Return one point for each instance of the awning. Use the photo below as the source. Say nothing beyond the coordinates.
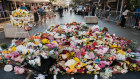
(31, 1)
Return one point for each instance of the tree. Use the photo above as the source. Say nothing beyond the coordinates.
(135, 4)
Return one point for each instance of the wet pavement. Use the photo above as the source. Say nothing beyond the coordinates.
(128, 33)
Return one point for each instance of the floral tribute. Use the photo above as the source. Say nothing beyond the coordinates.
(75, 48)
(20, 18)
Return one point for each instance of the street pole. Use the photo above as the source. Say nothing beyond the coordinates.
(117, 6)
(121, 6)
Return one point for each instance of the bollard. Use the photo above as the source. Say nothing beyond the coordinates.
(117, 23)
(101, 17)
(107, 19)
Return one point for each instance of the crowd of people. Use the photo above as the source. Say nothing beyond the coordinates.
(40, 12)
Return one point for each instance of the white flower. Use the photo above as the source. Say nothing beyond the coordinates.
(89, 67)
(44, 55)
(115, 69)
(40, 45)
(97, 67)
(124, 71)
(118, 67)
(30, 44)
(99, 42)
(31, 62)
(8, 68)
(69, 62)
(64, 56)
(120, 57)
(37, 61)
(86, 56)
(94, 27)
(36, 40)
(113, 51)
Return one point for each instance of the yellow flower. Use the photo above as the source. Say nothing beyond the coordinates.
(134, 65)
(20, 10)
(121, 52)
(95, 37)
(45, 41)
(5, 52)
(13, 49)
(54, 42)
(59, 27)
(37, 43)
(76, 59)
(67, 54)
(114, 46)
(127, 62)
(85, 59)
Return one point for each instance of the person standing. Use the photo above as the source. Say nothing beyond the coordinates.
(23, 7)
(83, 11)
(123, 18)
(40, 10)
(61, 11)
(70, 10)
(137, 17)
(36, 16)
(87, 10)
(93, 10)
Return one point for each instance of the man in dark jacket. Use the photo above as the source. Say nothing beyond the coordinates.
(93, 10)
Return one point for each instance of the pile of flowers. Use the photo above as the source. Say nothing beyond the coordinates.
(20, 18)
(76, 47)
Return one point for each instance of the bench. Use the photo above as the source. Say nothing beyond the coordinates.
(91, 19)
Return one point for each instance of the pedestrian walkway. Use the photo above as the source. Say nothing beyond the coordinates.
(128, 33)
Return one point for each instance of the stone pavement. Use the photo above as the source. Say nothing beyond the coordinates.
(67, 18)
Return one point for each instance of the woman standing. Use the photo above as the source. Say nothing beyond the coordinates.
(123, 18)
(36, 17)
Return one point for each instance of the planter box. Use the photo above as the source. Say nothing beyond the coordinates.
(10, 32)
(91, 19)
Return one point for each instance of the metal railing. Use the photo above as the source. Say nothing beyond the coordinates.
(5, 15)
(115, 16)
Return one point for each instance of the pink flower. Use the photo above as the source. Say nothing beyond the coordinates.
(12, 55)
(52, 45)
(18, 70)
(7, 56)
(106, 63)
(19, 59)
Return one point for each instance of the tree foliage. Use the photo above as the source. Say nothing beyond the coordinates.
(135, 4)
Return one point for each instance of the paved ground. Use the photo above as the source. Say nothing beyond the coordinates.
(127, 33)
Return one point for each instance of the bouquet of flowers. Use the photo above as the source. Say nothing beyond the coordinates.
(20, 18)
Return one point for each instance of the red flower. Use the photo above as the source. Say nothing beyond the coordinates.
(78, 63)
(94, 43)
(64, 51)
(80, 70)
(83, 54)
(119, 64)
(67, 43)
